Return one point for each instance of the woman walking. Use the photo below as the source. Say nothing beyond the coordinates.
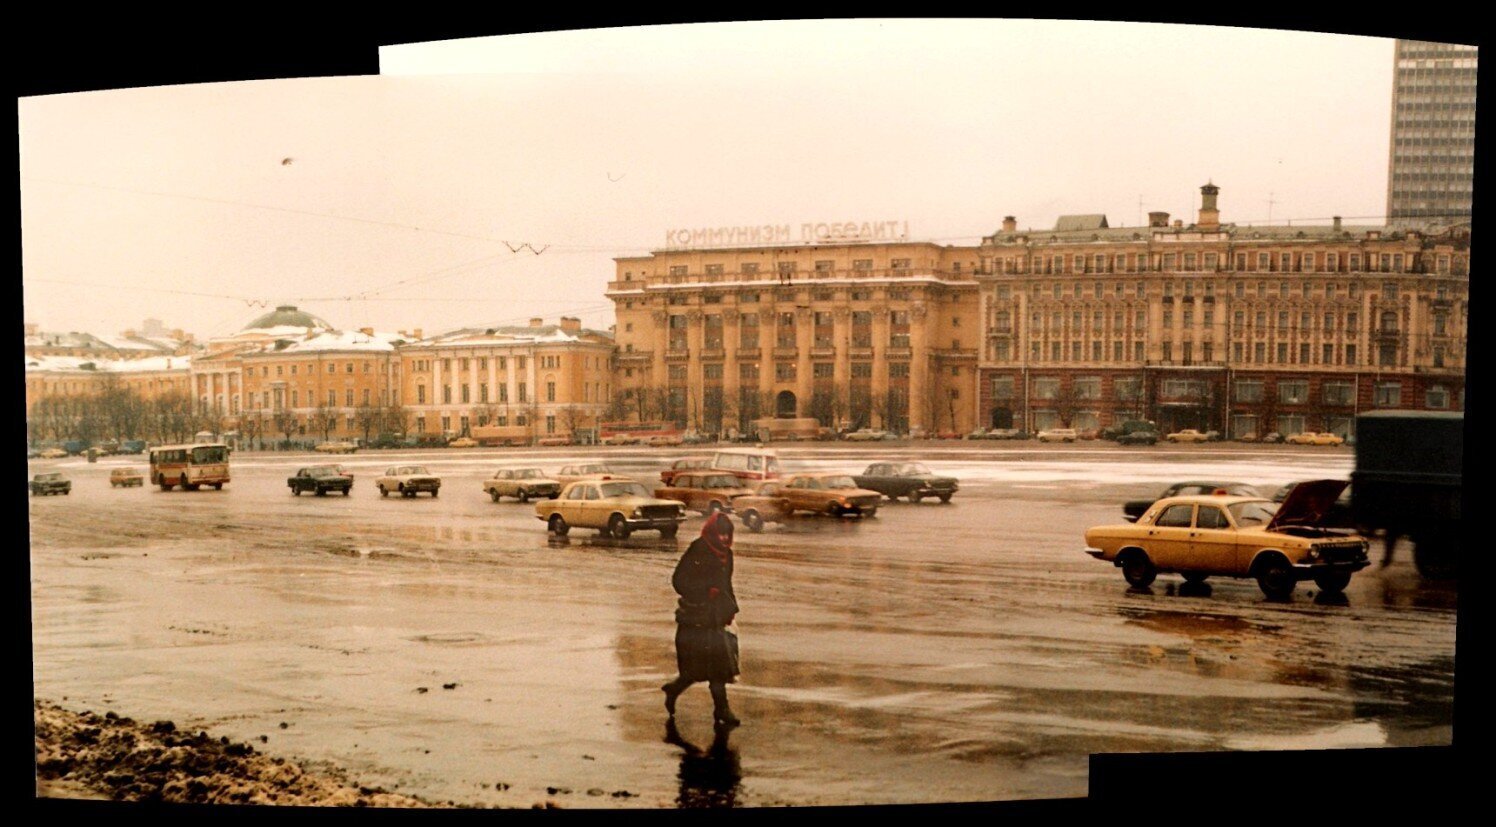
(705, 650)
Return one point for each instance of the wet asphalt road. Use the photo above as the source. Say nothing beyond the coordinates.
(449, 648)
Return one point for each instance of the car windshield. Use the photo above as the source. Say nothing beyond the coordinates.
(527, 474)
(595, 469)
(1252, 513)
(911, 469)
(417, 469)
(49, 476)
(838, 482)
(624, 489)
(323, 471)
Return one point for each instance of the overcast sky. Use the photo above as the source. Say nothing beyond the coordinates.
(394, 201)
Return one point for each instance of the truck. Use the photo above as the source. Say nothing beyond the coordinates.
(1408, 483)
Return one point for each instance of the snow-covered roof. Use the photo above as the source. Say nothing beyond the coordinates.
(344, 340)
(149, 364)
(512, 335)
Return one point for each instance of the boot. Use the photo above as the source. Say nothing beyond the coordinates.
(672, 691)
(722, 713)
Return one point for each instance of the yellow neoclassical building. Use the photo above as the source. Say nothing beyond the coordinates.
(543, 381)
(330, 385)
(1242, 329)
(853, 334)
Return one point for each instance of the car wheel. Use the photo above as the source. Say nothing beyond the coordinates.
(1138, 570)
(754, 521)
(321, 492)
(493, 494)
(524, 496)
(433, 493)
(945, 498)
(296, 491)
(1194, 578)
(1333, 582)
(618, 527)
(401, 489)
(217, 486)
(915, 496)
(558, 526)
(347, 491)
(383, 492)
(165, 486)
(1276, 579)
(669, 532)
(870, 512)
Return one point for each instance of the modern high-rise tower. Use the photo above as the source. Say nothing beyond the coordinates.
(1431, 168)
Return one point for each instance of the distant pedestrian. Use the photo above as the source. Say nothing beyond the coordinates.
(705, 649)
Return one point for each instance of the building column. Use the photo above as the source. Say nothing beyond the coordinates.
(920, 382)
(768, 320)
(841, 339)
(804, 338)
(880, 362)
(730, 372)
(657, 373)
(695, 384)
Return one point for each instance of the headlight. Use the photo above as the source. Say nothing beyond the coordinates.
(1313, 554)
(638, 512)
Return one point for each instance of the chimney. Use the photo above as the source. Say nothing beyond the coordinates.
(128, 334)
(1179, 223)
(367, 331)
(1210, 217)
(537, 322)
(1158, 219)
(417, 333)
(178, 334)
(571, 324)
(1010, 224)
(1337, 223)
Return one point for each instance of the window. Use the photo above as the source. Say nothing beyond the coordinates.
(1338, 393)
(1176, 516)
(784, 371)
(748, 372)
(749, 267)
(862, 370)
(446, 393)
(1087, 387)
(1327, 354)
(898, 370)
(1211, 517)
(898, 263)
(677, 269)
(1248, 391)
(1046, 387)
(1282, 353)
(523, 396)
(1294, 392)
(465, 393)
(714, 269)
(420, 394)
(550, 391)
(822, 370)
(1437, 396)
(862, 264)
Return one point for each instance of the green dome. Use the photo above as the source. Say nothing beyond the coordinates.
(287, 316)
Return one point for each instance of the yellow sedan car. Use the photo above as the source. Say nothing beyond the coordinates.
(1188, 435)
(615, 506)
(1232, 536)
(1308, 438)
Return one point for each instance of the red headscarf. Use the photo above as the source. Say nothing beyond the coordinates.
(717, 532)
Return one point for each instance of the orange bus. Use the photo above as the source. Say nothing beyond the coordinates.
(190, 466)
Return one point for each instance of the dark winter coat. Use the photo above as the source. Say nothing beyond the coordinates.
(704, 649)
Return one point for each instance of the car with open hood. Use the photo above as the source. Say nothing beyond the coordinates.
(1133, 509)
(615, 506)
(914, 480)
(1201, 536)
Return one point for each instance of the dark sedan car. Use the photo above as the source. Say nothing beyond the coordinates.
(1134, 509)
(906, 479)
(320, 479)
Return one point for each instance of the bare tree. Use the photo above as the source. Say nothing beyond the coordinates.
(395, 419)
(572, 419)
(323, 419)
(285, 425)
(1064, 402)
(367, 418)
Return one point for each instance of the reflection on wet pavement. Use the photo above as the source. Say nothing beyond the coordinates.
(934, 653)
